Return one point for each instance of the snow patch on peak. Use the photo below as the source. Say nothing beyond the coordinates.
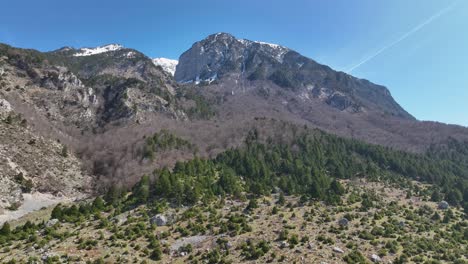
(168, 65)
(274, 46)
(276, 50)
(97, 50)
(245, 41)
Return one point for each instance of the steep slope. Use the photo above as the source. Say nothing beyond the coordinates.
(68, 96)
(30, 163)
(222, 56)
(128, 81)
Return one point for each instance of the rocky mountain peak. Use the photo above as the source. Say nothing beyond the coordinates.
(221, 57)
(221, 54)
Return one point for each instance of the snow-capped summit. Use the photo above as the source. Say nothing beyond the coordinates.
(97, 50)
(168, 65)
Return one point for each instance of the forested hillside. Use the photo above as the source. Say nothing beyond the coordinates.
(308, 164)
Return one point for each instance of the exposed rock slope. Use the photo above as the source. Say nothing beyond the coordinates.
(30, 163)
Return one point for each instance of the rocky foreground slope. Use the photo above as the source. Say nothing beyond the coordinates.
(374, 223)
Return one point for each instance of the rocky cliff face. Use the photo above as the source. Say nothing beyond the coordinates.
(88, 88)
(127, 82)
(32, 163)
(222, 56)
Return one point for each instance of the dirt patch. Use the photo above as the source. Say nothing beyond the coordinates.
(32, 202)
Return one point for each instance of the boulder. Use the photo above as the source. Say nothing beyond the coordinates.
(343, 222)
(443, 205)
(159, 220)
(5, 107)
(375, 258)
(51, 222)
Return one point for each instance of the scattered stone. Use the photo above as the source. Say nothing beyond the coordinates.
(284, 244)
(47, 255)
(338, 250)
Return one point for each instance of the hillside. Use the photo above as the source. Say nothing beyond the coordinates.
(374, 222)
(238, 125)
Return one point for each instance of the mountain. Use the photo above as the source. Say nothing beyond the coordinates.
(168, 65)
(121, 116)
(242, 78)
(247, 146)
(222, 56)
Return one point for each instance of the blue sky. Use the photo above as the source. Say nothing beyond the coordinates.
(427, 72)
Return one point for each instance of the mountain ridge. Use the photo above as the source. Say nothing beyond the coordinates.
(222, 55)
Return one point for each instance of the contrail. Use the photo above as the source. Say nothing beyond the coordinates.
(404, 36)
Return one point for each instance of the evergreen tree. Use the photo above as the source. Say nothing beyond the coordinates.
(57, 212)
(337, 188)
(281, 199)
(436, 196)
(64, 151)
(6, 229)
(141, 191)
(252, 204)
(113, 195)
(98, 204)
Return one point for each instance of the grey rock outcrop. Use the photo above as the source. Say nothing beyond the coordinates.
(443, 205)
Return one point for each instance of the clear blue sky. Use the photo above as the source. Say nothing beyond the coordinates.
(427, 71)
